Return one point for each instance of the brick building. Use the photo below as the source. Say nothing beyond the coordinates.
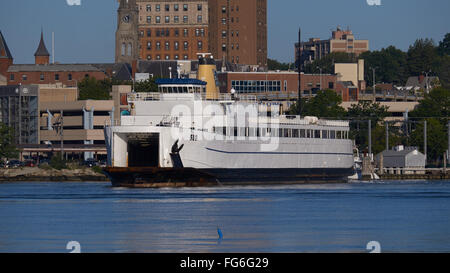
(263, 84)
(172, 30)
(341, 41)
(238, 31)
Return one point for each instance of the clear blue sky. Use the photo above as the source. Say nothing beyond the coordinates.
(86, 33)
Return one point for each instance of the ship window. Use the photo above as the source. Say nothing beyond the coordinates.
(338, 134)
(286, 132)
(302, 133)
(324, 134)
(332, 134)
(316, 133)
(295, 133)
(235, 131)
(308, 133)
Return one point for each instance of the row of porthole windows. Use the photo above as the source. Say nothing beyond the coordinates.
(280, 132)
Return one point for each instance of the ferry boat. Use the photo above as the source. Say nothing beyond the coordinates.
(189, 134)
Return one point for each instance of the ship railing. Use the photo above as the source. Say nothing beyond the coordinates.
(153, 96)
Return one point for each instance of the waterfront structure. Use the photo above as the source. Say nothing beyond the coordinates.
(238, 31)
(340, 41)
(402, 157)
(19, 109)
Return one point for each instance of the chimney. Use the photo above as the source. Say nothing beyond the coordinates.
(421, 79)
(133, 68)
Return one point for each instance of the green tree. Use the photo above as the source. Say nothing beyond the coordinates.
(326, 104)
(443, 71)
(390, 64)
(360, 114)
(436, 104)
(436, 139)
(146, 86)
(422, 57)
(444, 46)
(276, 65)
(92, 89)
(7, 147)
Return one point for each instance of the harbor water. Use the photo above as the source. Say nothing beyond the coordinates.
(402, 216)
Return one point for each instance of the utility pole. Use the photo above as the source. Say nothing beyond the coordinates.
(320, 77)
(374, 85)
(299, 53)
(387, 135)
(370, 137)
(62, 135)
(425, 140)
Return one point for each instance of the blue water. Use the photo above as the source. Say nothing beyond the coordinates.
(401, 216)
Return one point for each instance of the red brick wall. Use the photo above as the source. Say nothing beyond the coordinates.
(42, 59)
(49, 77)
(4, 64)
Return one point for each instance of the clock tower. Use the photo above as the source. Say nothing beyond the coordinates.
(127, 35)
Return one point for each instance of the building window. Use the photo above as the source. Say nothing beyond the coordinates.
(331, 85)
(185, 57)
(149, 57)
(224, 47)
(42, 77)
(149, 8)
(167, 57)
(167, 7)
(237, 59)
(158, 19)
(69, 77)
(199, 7)
(158, 45)
(176, 19)
(167, 20)
(185, 32)
(185, 7)
(167, 32)
(237, 33)
(185, 19)
(149, 45)
(130, 49)
(158, 33)
(224, 33)
(123, 49)
(199, 19)
(167, 45)
(285, 86)
(177, 45)
(224, 9)
(202, 32)
(175, 7)
(24, 77)
(200, 45)
(158, 7)
(186, 45)
(86, 76)
(177, 57)
(11, 77)
(197, 32)
(158, 57)
(149, 19)
(224, 21)
(56, 77)
(177, 32)
(149, 33)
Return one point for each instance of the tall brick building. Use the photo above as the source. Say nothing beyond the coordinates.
(238, 31)
(232, 30)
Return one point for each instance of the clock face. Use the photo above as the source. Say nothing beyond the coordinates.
(126, 18)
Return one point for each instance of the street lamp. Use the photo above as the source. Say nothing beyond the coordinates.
(426, 80)
(374, 85)
(320, 77)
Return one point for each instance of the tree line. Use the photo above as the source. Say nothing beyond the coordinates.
(391, 64)
(434, 108)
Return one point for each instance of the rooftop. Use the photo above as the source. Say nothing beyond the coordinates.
(4, 50)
